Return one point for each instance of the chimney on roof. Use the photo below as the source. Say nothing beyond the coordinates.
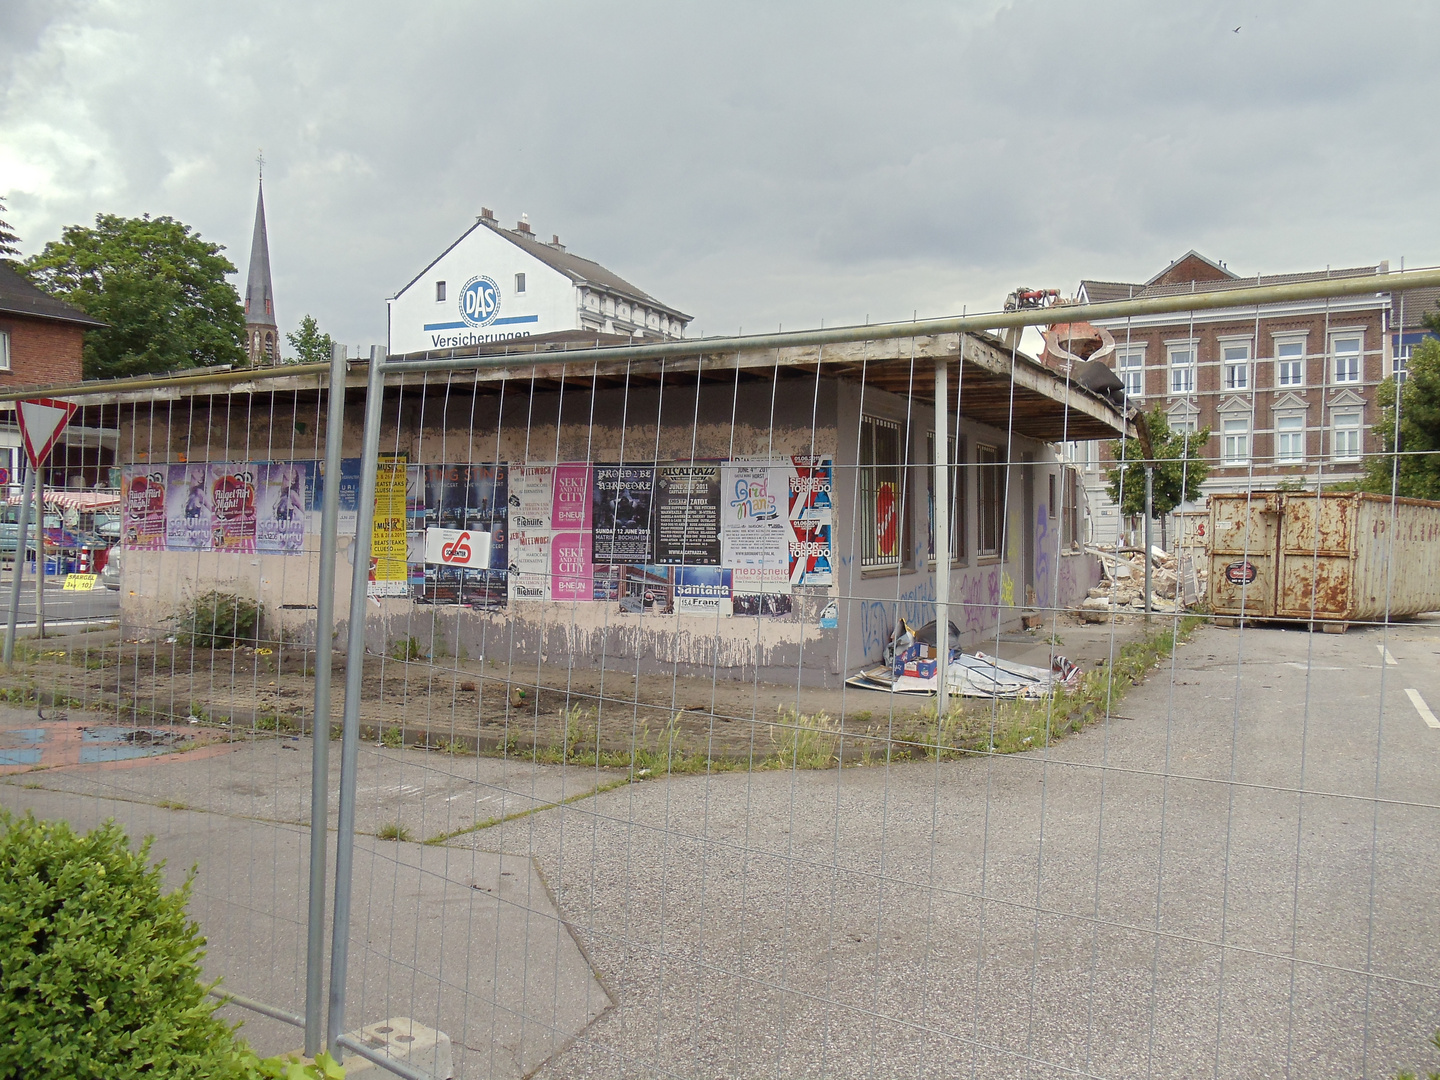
(486, 214)
(555, 242)
(523, 225)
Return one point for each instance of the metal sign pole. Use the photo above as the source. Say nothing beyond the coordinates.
(39, 554)
(320, 728)
(354, 676)
(18, 567)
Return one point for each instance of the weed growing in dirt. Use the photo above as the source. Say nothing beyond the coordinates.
(218, 620)
(392, 737)
(394, 831)
(405, 649)
(804, 741)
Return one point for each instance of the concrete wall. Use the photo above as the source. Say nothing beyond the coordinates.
(795, 415)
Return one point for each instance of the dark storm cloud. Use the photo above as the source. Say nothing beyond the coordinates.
(751, 163)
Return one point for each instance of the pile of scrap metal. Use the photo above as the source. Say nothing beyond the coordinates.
(1175, 583)
(911, 666)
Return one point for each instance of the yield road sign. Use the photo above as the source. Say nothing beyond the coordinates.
(41, 421)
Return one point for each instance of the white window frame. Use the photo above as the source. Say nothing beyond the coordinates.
(520, 284)
(1235, 445)
(1400, 363)
(4, 350)
(1230, 367)
(1296, 454)
(440, 292)
(1187, 368)
(1349, 422)
(1296, 376)
(1357, 376)
(1130, 367)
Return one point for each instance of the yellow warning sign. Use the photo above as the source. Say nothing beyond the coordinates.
(80, 582)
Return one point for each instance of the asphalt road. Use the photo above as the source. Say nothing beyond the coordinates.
(61, 608)
(1235, 876)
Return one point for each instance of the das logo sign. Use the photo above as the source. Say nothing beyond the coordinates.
(479, 301)
(458, 547)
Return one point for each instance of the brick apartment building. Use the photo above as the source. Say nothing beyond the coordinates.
(41, 341)
(1287, 390)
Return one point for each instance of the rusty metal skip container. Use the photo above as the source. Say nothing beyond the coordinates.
(1334, 559)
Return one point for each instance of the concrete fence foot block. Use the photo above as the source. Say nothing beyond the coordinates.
(421, 1048)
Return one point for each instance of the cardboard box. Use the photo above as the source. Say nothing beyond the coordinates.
(922, 669)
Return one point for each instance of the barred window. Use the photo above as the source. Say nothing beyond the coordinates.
(883, 500)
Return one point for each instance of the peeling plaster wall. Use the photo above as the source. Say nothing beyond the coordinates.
(433, 424)
(794, 414)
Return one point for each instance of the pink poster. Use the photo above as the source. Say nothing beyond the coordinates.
(232, 503)
(572, 509)
(570, 564)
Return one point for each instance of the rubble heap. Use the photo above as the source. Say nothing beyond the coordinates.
(1122, 586)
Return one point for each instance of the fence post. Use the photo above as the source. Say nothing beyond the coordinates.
(354, 676)
(942, 536)
(1149, 509)
(320, 726)
(18, 567)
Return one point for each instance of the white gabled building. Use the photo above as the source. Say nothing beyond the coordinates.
(494, 284)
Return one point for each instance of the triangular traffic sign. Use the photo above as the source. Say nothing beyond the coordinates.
(41, 421)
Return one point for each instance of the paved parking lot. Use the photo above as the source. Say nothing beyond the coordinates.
(1234, 875)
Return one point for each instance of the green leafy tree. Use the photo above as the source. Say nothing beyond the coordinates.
(160, 287)
(1180, 469)
(310, 345)
(1415, 472)
(9, 242)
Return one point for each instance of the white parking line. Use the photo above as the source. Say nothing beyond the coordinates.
(1386, 654)
(1423, 709)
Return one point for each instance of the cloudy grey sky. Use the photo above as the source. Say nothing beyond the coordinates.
(753, 163)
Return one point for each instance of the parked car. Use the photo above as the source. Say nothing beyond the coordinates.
(110, 572)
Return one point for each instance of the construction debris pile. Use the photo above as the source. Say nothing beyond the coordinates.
(1175, 583)
(912, 666)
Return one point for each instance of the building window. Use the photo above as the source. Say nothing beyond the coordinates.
(1236, 359)
(1289, 440)
(992, 498)
(439, 292)
(1400, 364)
(1346, 350)
(1182, 369)
(1290, 363)
(1235, 449)
(957, 497)
(1070, 522)
(1345, 437)
(883, 532)
(1130, 366)
(519, 284)
(4, 350)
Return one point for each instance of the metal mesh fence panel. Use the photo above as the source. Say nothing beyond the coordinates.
(645, 767)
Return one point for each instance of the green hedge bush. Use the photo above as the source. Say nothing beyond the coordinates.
(100, 968)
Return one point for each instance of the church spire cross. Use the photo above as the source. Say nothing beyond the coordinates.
(262, 334)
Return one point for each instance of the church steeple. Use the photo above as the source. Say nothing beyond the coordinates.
(262, 333)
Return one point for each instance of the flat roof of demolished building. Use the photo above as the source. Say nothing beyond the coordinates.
(993, 384)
